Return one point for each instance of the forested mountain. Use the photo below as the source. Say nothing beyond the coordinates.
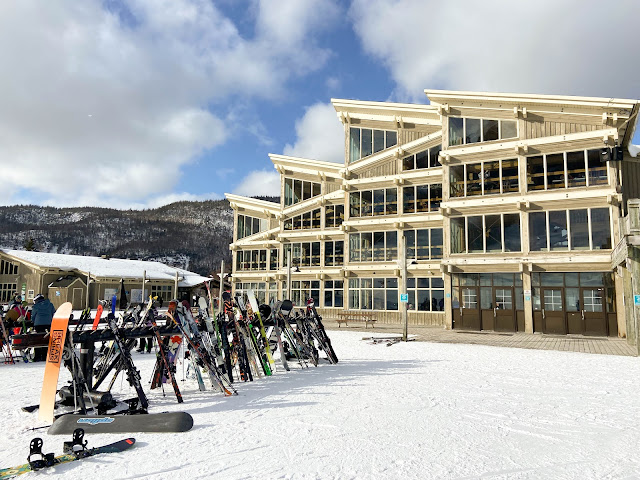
(190, 235)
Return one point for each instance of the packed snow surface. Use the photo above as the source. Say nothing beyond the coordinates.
(409, 411)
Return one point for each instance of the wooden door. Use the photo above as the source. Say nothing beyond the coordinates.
(553, 311)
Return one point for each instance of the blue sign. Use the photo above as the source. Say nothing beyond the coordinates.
(404, 297)
(636, 300)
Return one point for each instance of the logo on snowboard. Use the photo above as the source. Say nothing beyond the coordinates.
(56, 346)
(95, 421)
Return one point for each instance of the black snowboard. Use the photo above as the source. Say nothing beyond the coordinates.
(151, 422)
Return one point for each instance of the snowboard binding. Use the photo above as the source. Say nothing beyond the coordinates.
(78, 445)
(45, 460)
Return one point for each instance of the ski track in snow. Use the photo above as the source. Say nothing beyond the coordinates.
(410, 411)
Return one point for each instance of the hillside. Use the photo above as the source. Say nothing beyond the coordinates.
(191, 235)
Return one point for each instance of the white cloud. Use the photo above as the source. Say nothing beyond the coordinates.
(320, 135)
(260, 183)
(574, 47)
(97, 107)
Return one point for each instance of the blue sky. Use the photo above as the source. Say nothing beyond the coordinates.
(134, 104)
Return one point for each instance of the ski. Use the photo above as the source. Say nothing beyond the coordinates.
(97, 319)
(162, 352)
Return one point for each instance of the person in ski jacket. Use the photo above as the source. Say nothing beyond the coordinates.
(41, 315)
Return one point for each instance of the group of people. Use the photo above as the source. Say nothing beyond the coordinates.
(39, 316)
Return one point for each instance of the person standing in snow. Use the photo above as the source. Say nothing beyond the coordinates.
(41, 316)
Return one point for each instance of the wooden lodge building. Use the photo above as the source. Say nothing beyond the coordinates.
(510, 206)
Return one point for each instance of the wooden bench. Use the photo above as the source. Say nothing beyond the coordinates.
(350, 316)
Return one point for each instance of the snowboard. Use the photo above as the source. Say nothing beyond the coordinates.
(150, 422)
(98, 315)
(57, 337)
(115, 447)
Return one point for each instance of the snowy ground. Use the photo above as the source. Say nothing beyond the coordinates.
(409, 411)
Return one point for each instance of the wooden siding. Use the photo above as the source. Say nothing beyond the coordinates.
(331, 187)
(537, 128)
(630, 180)
(406, 135)
(388, 168)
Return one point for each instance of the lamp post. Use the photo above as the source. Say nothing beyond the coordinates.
(403, 290)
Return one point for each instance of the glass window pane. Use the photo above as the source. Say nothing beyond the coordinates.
(354, 144)
(288, 191)
(579, 224)
(576, 173)
(475, 234)
(391, 201)
(408, 197)
(366, 246)
(555, 171)
(436, 243)
(509, 129)
(474, 179)
(510, 182)
(473, 130)
(493, 233)
(354, 247)
(422, 240)
(591, 279)
(409, 163)
(297, 191)
(392, 138)
(535, 173)
(597, 168)
(378, 246)
(456, 132)
(422, 159)
(572, 299)
(457, 235)
(486, 298)
(392, 299)
(378, 140)
(339, 252)
(489, 130)
(329, 217)
(422, 198)
(558, 235)
(423, 300)
(456, 181)
(600, 228)
(538, 231)
(378, 300)
(491, 176)
(434, 154)
(512, 232)
(410, 236)
(367, 141)
(367, 203)
(378, 202)
(392, 245)
(435, 197)
(328, 298)
(354, 204)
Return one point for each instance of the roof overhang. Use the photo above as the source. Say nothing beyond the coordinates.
(397, 113)
(248, 203)
(307, 166)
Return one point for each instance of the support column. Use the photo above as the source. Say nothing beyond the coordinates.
(528, 303)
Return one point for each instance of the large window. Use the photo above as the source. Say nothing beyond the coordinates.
(365, 141)
(264, 292)
(250, 225)
(7, 290)
(422, 198)
(373, 293)
(304, 221)
(373, 246)
(424, 244)
(8, 268)
(303, 290)
(334, 253)
(247, 260)
(304, 254)
(425, 159)
(464, 131)
(485, 178)
(333, 216)
(163, 292)
(426, 294)
(582, 168)
(486, 234)
(580, 229)
(296, 191)
(333, 293)
(367, 203)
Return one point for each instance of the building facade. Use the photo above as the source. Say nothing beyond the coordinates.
(509, 207)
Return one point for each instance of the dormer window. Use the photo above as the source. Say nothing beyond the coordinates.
(364, 142)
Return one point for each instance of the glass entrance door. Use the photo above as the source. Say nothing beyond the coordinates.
(553, 311)
(504, 309)
(470, 308)
(593, 312)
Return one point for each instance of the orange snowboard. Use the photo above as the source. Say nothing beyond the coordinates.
(57, 337)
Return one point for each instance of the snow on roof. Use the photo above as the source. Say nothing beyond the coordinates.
(112, 267)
